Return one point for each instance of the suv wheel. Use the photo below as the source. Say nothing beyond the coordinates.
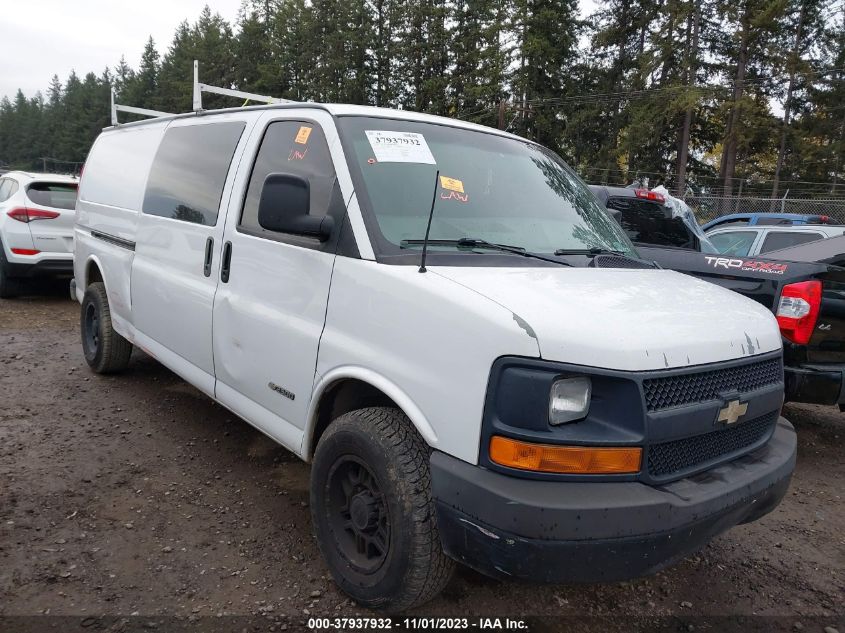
(373, 513)
(105, 350)
(9, 288)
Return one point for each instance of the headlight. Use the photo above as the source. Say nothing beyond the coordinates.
(569, 399)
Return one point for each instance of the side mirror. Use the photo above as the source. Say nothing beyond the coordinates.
(284, 205)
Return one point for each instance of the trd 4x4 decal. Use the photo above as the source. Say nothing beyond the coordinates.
(773, 268)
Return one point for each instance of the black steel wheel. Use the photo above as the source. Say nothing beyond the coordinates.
(373, 513)
(105, 350)
(358, 516)
(91, 329)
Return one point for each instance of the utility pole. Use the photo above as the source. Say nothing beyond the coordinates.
(502, 109)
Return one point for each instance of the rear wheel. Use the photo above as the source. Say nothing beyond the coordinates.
(373, 512)
(9, 287)
(105, 350)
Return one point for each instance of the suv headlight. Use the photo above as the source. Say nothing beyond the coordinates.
(569, 399)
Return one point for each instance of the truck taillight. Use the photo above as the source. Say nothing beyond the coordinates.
(798, 310)
(645, 194)
(28, 215)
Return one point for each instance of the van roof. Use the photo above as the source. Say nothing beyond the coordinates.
(335, 109)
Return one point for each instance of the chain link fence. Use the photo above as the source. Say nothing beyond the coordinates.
(707, 208)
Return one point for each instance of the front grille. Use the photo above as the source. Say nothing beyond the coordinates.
(681, 389)
(677, 456)
(618, 261)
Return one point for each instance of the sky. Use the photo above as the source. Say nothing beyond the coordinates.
(40, 38)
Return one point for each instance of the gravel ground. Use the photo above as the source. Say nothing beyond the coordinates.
(136, 494)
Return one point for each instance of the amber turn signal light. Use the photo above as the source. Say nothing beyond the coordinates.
(570, 460)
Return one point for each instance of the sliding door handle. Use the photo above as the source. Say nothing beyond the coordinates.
(209, 254)
(226, 263)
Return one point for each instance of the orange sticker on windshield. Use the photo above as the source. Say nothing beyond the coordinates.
(303, 134)
(452, 184)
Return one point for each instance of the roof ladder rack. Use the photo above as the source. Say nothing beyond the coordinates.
(199, 88)
(116, 107)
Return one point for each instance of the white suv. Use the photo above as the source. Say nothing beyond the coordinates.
(445, 321)
(36, 228)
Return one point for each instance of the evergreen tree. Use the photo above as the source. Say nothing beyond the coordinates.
(797, 54)
(8, 154)
(818, 136)
(746, 65)
(293, 52)
(705, 93)
(422, 57)
(123, 76)
(176, 73)
(142, 88)
(341, 70)
(478, 60)
(618, 42)
(387, 17)
(252, 45)
(209, 41)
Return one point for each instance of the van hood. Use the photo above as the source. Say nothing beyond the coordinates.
(630, 320)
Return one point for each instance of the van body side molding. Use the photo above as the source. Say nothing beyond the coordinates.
(113, 239)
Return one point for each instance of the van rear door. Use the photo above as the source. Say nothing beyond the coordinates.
(177, 253)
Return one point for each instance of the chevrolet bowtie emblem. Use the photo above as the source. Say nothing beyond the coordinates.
(732, 412)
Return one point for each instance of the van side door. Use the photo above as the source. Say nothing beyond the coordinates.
(180, 230)
(270, 307)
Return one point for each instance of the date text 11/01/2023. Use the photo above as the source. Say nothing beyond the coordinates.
(417, 624)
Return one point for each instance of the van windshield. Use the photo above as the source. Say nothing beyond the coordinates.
(491, 188)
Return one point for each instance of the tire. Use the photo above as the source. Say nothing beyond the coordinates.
(105, 350)
(9, 287)
(373, 512)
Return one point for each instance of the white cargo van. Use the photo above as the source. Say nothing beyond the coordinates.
(535, 401)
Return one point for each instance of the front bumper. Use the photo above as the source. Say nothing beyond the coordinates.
(815, 384)
(550, 531)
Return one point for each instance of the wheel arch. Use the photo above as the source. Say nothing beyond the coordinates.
(93, 272)
(348, 388)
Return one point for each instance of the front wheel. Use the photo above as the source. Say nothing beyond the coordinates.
(105, 350)
(373, 512)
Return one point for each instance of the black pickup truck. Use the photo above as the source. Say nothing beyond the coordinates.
(808, 298)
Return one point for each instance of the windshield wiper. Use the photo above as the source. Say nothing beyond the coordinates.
(592, 252)
(468, 242)
(587, 251)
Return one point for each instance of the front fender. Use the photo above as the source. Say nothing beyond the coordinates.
(374, 379)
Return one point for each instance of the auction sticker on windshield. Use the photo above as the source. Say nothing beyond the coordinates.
(452, 184)
(400, 147)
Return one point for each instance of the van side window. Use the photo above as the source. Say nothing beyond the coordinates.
(291, 147)
(189, 171)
